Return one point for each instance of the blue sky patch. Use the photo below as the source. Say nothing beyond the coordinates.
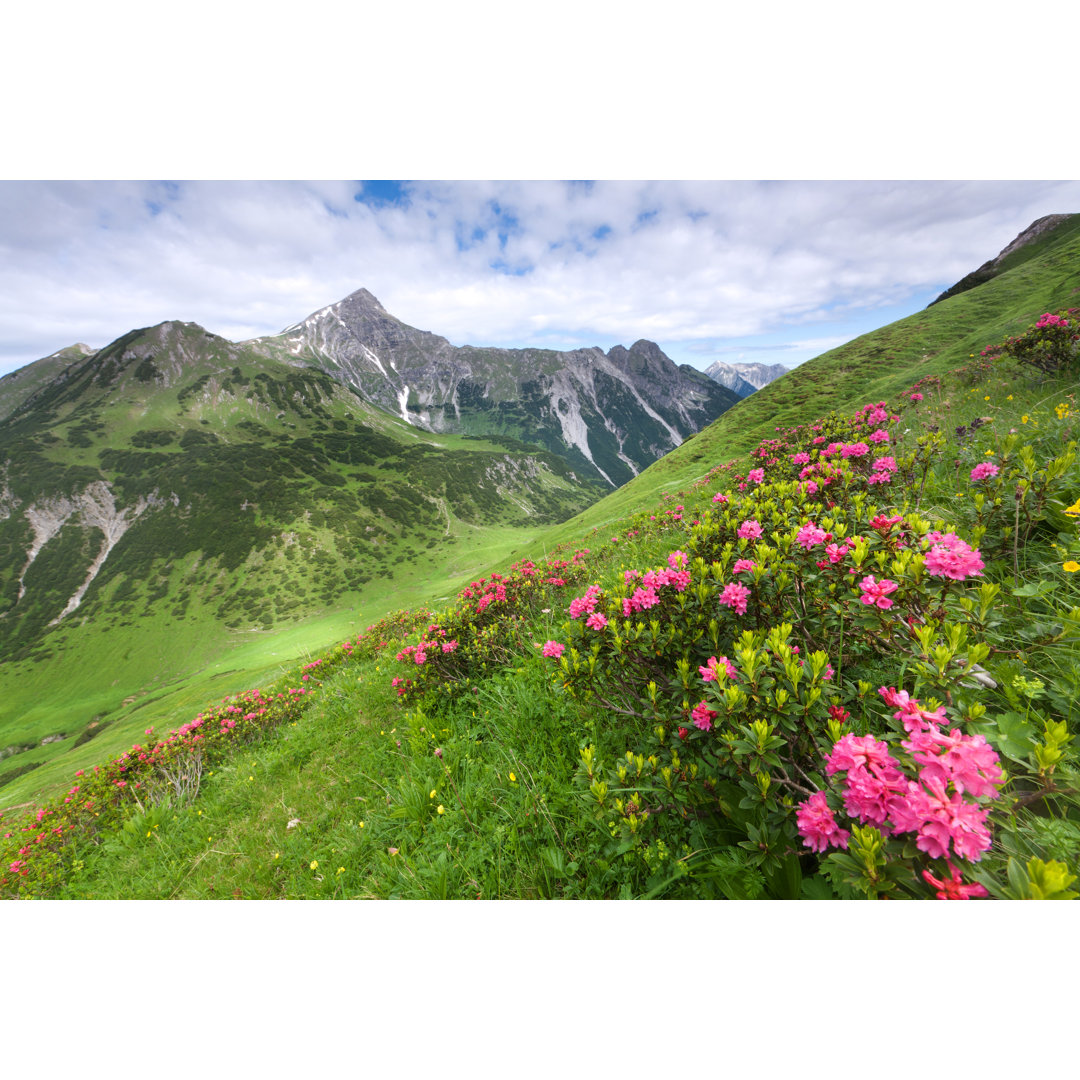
(382, 193)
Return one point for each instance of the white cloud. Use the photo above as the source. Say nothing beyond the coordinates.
(498, 262)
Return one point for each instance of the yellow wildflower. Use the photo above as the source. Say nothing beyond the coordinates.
(513, 779)
(431, 794)
(440, 809)
(1074, 510)
(1071, 567)
(314, 864)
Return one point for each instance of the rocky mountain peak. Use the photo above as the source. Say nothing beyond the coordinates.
(361, 300)
(997, 265)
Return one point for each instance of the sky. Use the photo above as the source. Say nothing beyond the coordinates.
(737, 271)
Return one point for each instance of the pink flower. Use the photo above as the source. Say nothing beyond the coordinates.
(810, 536)
(916, 397)
(985, 470)
(596, 621)
(836, 552)
(742, 565)
(756, 476)
(582, 605)
(817, 826)
(712, 668)
(749, 530)
(950, 557)
(678, 560)
(553, 649)
(885, 464)
(879, 478)
(879, 436)
(735, 596)
(953, 887)
(855, 450)
(703, 716)
(876, 592)
(719, 497)
(854, 751)
(800, 458)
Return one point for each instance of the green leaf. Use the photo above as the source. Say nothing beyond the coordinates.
(1010, 733)
(817, 888)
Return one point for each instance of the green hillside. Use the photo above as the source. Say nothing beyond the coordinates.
(255, 511)
(825, 649)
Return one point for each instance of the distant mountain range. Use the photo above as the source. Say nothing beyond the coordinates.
(744, 379)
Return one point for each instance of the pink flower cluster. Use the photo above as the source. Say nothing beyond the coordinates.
(985, 470)
(553, 649)
(854, 450)
(939, 808)
(735, 596)
(703, 716)
(873, 414)
(1049, 319)
(646, 596)
(585, 605)
(756, 476)
(950, 557)
(817, 826)
(810, 535)
(749, 530)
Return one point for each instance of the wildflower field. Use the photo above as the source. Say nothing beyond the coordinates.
(843, 666)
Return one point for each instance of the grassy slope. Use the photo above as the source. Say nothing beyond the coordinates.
(350, 801)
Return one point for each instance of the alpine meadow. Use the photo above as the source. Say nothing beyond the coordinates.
(351, 612)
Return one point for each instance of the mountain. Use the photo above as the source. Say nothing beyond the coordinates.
(1033, 240)
(610, 415)
(17, 386)
(173, 496)
(744, 379)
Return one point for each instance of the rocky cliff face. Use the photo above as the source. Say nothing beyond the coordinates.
(610, 414)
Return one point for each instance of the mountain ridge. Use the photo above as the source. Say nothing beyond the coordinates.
(614, 413)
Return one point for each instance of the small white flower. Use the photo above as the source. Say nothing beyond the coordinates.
(293, 822)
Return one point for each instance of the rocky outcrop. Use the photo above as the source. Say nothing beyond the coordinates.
(92, 508)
